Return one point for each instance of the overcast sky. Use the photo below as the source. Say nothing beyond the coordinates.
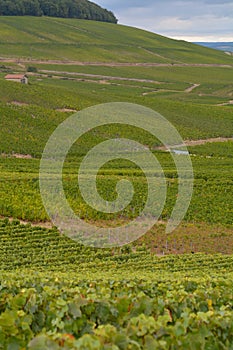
(197, 20)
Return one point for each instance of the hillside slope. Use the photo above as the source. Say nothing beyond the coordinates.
(80, 40)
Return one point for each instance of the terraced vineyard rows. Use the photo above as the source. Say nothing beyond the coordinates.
(71, 39)
(56, 294)
(40, 248)
(20, 196)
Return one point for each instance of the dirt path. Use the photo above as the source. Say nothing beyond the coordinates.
(210, 140)
(149, 92)
(110, 64)
(161, 148)
(160, 90)
(104, 77)
(188, 90)
(63, 110)
(155, 54)
(22, 65)
(198, 142)
(17, 155)
(46, 224)
(17, 103)
(225, 103)
(191, 88)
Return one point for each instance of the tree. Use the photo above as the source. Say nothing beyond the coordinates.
(56, 8)
(32, 8)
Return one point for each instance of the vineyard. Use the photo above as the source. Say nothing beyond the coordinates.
(20, 194)
(35, 111)
(56, 294)
(72, 39)
(165, 291)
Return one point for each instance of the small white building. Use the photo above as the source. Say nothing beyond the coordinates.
(19, 78)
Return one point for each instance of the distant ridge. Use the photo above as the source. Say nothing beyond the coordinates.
(223, 46)
(82, 9)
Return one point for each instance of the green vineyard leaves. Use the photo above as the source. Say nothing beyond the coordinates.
(122, 301)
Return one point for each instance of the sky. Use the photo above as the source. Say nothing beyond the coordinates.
(200, 20)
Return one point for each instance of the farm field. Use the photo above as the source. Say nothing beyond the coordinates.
(165, 291)
(20, 195)
(119, 299)
(71, 39)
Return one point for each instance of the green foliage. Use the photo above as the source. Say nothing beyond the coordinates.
(57, 294)
(211, 201)
(26, 128)
(32, 69)
(83, 9)
(216, 149)
(29, 113)
(90, 41)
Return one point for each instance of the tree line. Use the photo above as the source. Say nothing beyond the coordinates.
(82, 9)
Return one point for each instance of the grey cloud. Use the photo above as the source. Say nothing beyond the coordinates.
(152, 3)
(212, 18)
(220, 2)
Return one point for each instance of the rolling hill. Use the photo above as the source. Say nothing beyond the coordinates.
(80, 63)
(163, 291)
(89, 41)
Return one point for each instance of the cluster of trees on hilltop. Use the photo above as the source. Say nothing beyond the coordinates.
(82, 9)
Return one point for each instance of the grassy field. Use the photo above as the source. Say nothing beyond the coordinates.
(70, 39)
